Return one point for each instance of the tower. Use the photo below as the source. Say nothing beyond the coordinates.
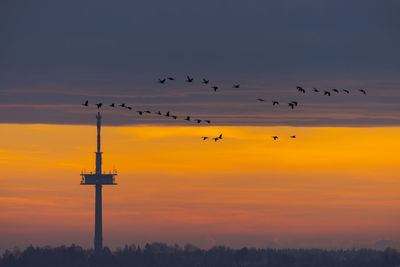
(98, 179)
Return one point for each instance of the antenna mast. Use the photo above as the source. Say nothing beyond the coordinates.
(98, 179)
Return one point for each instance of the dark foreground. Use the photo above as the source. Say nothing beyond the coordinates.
(158, 254)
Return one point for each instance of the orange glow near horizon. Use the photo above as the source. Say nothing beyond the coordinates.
(329, 187)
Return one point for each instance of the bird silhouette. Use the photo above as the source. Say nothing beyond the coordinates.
(130, 108)
(86, 103)
(346, 91)
(274, 103)
(293, 136)
(112, 105)
(158, 113)
(198, 121)
(171, 78)
(147, 111)
(162, 81)
(363, 91)
(300, 89)
(260, 99)
(216, 139)
(122, 105)
(295, 103)
(205, 81)
(316, 90)
(215, 88)
(208, 121)
(236, 85)
(220, 136)
(167, 114)
(187, 118)
(140, 112)
(174, 117)
(335, 90)
(204, 137)
(275, 137)
(291, 105)
(189, 79)
(99, 105)
(327, 93)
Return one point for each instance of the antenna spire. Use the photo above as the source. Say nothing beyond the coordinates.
(98, 153)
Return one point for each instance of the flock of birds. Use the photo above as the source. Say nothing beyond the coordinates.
(328, 93)
(142, 112)
(300, 89)
(189, 79)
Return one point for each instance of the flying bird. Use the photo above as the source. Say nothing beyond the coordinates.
(327, 93)
(205, 81)
(300, 89)
(187, 118)
(99, 105)
(162, 81)
(295, 103)
(167, 114)
(122, 105)
(208, 121)
(291, 105)
(275, 137)
(215, 88)
(346, 91)
(140, 112)
(158, 113)
(315, 90)
(189, 79)
(274, 103)
(173, 116)
(293, 136)
(217, 138)
(363, 91)
(86, 103)
(130, 108)
(112, 105)
(147, 111)
(171, 78)
(335, 90)
(260, 99)
(204, 137)
(236, 85)
(198, 121)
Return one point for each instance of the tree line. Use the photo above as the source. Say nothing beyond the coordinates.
(162, 255)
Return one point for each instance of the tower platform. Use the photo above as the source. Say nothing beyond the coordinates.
(95, 179)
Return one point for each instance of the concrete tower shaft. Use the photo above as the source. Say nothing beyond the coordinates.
(98, 224)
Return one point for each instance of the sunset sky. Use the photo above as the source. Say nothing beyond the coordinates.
(336, 185)
(330, 187)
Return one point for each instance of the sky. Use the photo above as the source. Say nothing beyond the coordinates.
(56, 54)
(333, 186)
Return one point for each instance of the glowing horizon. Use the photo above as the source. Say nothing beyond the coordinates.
(329, 187)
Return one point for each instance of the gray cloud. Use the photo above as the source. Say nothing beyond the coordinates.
(56, 54)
